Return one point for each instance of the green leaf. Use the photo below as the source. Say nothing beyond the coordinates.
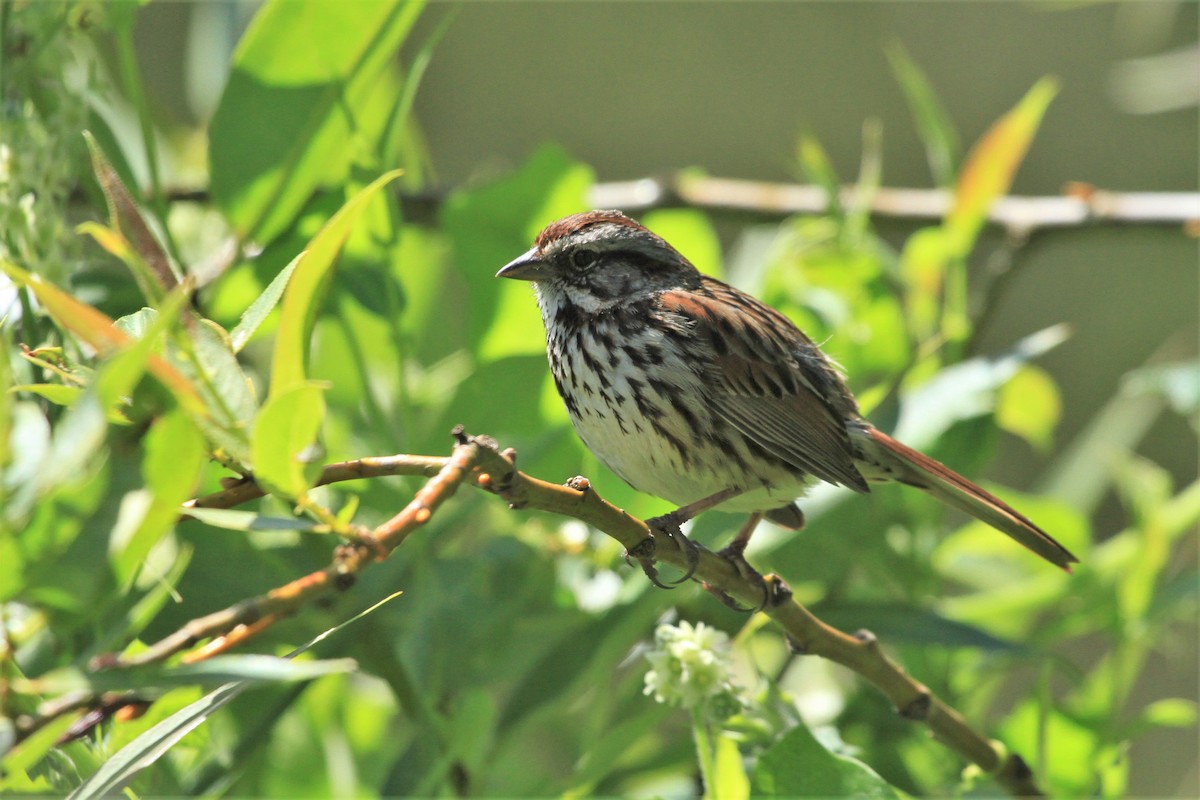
(992, 163)
(894, 622)
(923, 265)
(941, 140)
(308, 67)
(302, 298)
(262, 306)
(819, 169)
(797, 765)
(968, 389)
(730, 781)
(491, 226)
(284, 439)
(146, 749)
(690, 232)
(1029, 406)
(173, 458)
(210, 672)
(57, 393)
(234, 520)
(99, 331)
(1071, 749)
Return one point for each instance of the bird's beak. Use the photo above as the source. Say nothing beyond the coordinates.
(527, 267)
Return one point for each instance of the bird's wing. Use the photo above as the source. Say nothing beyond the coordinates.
(768, 380)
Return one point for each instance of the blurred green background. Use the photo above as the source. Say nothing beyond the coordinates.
(412, 342)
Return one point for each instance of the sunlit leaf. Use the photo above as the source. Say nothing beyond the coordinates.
(262, 306)
(491, 226)
(1070, 748)
(285, 439)
(98, 330)
(262, 175)
(306, 289)
(1029, 406)
(730, 781)
(967, 389)
(690, 232)
(56, 393)
(989, 168)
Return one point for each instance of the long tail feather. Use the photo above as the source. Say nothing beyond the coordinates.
(888, 459)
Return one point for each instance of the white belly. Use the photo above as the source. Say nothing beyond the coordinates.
(662, 440)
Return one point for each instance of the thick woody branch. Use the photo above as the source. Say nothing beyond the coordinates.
(478, 460)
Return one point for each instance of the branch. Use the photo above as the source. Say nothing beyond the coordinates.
(1081, 204)
(479, 461)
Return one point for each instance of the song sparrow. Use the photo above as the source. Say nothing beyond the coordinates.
(696, 392)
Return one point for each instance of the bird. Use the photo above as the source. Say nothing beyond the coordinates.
(696, 392)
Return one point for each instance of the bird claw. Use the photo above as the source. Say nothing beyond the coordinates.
(735, 554)
(643, 552)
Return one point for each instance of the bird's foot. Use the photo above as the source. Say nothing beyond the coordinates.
(643, 553)
(735, 554)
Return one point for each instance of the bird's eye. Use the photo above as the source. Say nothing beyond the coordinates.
(584, 258)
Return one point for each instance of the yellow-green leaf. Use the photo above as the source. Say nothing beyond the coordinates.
(992, 163)
(304, 292)
(285, 436)
(1029, 406)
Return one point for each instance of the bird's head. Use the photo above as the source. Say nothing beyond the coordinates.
(599, 259)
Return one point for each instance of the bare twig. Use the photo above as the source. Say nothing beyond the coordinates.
(479, 461)
(1081, 204)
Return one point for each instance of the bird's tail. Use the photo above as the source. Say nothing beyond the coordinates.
(887, 459)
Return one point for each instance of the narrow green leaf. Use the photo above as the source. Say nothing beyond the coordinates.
(56, 393)
(942, 144)
(150, 263)
(234, 520)
(305, 290)
(991, 165)
(819, 169)
(214, 671)
(262, 306)
(99, 331)
(895, 622)
(142, 752)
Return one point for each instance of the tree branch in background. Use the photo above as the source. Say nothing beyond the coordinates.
(479, 461)
(1080, 204)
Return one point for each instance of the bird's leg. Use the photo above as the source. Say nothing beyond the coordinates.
(668, 524)
(734, 553)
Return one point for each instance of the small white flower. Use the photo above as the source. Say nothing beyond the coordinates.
(690, 667)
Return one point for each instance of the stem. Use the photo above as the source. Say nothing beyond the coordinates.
(705, 753)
